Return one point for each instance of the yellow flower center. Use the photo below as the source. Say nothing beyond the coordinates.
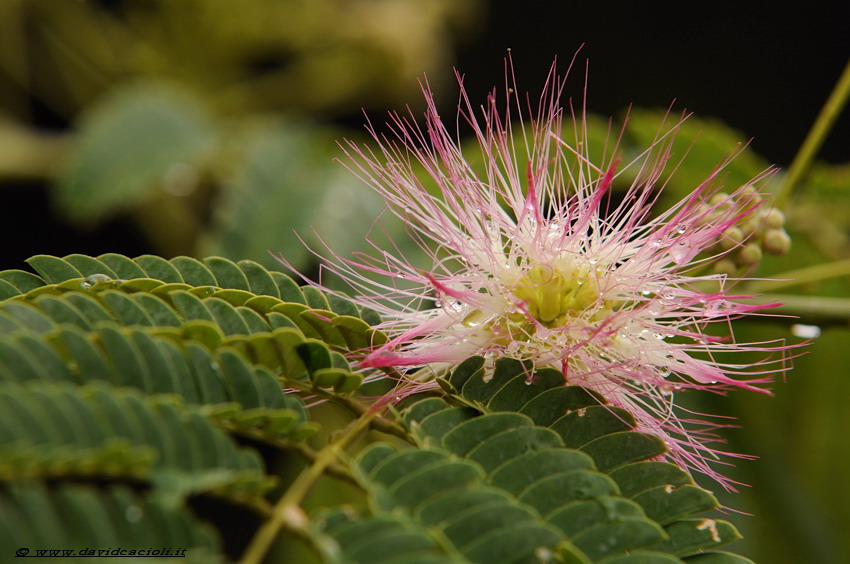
(551, 294)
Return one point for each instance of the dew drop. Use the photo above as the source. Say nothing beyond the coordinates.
(133, 514)
(681, 253)
(97, 278)
(805, 331)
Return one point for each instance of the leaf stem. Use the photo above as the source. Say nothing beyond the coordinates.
(356, 408)
(817, 310)
(334, 469)
(803, 160)
(287, 512)
(799, 276)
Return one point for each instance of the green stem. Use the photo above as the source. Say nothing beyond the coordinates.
(802, 276)
(354, 407)
(287, 512)
(803, 160)
(815, 310)
(334, 469)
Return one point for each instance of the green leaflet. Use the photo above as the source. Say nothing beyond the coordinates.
(54, 430)
(169, 373)
(79, 517)
(602, 500)
(290, 337)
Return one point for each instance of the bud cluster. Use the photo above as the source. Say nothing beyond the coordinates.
(761, 231)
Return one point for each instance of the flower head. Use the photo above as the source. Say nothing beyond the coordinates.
(533, 259)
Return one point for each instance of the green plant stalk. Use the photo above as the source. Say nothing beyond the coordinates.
(354, 407)
(816, 310)
(824, 122)
(287, 513)
(334, 469)
(799, 276)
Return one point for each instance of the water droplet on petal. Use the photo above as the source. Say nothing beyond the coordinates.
(681, 253)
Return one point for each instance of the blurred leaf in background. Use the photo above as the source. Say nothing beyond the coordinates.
(283, 190)
(132, 142)
(178, 111)
(319, 55)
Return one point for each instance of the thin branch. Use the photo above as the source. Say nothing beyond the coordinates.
(814, 310)
(355, 408)
(287, 513)
(336, 470)
(803, 160)
(799, 276)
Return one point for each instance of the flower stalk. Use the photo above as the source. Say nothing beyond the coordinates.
(287, 512)
(817, 135)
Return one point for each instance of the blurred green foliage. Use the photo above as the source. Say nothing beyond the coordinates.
(206, 123)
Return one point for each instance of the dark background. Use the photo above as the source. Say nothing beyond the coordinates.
(763, 70)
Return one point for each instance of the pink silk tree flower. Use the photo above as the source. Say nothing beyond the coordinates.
(534, 260)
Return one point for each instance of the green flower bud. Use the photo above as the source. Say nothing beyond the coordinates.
(774, 219)
(731, 238)
(725, 266)
(719, 198)
(750, 254)
(749, 197)
(776, 241)
(749, 227)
